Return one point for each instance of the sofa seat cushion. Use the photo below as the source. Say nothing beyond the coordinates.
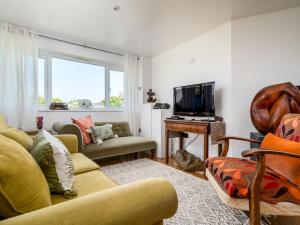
(86, 183)
(234, 175)
(119, 146)
(82, 163)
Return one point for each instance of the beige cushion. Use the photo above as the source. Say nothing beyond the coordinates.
(281, 208)
(19, 136)
(87, 183)
(83, 164)
(23, 187)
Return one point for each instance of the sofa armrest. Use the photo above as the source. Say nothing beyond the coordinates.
(144, 202)
(63, 128)
(70, 141)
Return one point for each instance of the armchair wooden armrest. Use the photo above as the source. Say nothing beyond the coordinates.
(226, 140)
(255, 185)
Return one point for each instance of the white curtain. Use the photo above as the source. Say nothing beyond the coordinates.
(18, 76)
(132, 98)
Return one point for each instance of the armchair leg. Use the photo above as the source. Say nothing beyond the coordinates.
(153, 153)
(254, 201)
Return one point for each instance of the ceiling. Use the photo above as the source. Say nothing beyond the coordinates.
(143, 27)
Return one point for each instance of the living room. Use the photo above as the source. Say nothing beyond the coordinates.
(101, 101)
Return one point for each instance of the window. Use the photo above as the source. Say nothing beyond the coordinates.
(41, 81)
(116, 98)
(71, 81)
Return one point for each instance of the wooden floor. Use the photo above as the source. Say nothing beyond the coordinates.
(172, 163)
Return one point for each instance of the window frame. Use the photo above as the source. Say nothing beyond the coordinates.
(48, 55)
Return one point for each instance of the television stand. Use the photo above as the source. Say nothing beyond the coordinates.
(193, 126)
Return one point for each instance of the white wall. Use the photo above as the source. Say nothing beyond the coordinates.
(242, 57)
(265, 51)
(51, 117)
(205, 58)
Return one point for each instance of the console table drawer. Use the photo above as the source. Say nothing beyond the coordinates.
(195, 128)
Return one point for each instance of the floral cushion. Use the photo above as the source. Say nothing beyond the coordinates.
(289, 127)
(234, 176)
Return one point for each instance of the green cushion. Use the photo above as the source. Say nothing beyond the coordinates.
(18, 135)
(101, 133)
(55, 162)
(23, 187)
(119, 146)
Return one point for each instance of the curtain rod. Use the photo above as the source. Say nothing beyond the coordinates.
(81, 45)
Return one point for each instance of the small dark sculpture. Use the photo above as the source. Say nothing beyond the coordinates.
(59, 106)
(151, 96)
(188, 162)
(272, 103)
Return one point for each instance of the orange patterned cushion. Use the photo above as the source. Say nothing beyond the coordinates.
(234, 176)
(85, 125)
(286, 166)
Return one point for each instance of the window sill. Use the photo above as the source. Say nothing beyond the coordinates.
(84, 110)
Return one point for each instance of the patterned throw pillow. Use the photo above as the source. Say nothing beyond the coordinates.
(85, 125)
(102, 133)
(55, 162)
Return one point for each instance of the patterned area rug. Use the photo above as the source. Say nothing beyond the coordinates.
(198, 202)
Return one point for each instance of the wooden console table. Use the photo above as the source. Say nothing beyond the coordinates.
(198, 127)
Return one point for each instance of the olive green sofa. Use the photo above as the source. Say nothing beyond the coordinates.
(124, 144)
(100, 201)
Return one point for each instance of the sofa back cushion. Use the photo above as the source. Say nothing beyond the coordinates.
(19, 136)
(3, 124)
(285, 166)
(23, 187)
(119, 128)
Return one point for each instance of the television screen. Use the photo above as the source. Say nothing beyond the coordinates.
(195, 100)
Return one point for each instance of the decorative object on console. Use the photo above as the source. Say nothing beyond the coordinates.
(271, 103)
(151, 96)
(59, 106)
(39, 122)
(85, 103)
(188, 162)
(161, 106)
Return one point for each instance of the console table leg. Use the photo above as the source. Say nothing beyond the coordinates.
(180, 142)
(205, 147)
(167, 146)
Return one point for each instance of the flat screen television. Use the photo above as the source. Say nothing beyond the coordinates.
(196, 100)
